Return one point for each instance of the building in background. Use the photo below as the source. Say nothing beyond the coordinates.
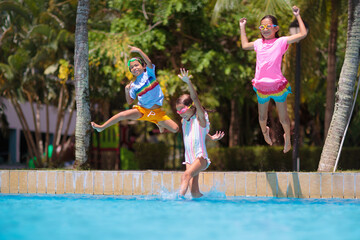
(13, 147)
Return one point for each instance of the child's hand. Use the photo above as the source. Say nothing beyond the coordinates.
(242, 22)
(217, 136)
(96, 127)
(296, 11)
(134, 49)
(184, 75)
(127, 87)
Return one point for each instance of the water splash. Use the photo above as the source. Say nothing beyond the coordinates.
(213, 194)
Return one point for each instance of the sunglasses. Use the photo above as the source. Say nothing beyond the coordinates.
(184, 109)
(263, 27)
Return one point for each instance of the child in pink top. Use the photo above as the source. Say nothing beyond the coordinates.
(269, 81)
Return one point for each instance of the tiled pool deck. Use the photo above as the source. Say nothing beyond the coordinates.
(264, 184)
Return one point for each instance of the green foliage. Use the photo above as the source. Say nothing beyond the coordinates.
(151, 155)
(264, 158)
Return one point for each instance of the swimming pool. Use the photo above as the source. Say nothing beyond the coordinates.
(215, 216)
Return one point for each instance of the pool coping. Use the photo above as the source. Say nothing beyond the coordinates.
(152, 182)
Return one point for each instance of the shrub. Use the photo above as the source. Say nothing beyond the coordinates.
(265, 158)
(151, 155)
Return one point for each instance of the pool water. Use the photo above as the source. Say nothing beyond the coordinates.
(169, 217)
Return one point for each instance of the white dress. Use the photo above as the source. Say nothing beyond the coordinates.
(194, 139)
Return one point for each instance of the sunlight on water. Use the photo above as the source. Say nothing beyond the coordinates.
(168, 216)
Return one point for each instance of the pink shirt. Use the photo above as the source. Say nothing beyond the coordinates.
(269, 53)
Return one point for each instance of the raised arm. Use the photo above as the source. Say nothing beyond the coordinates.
(245, 44)
(200, 112)
(143, 55)
(303, 32)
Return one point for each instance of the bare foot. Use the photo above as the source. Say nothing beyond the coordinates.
(161, 129)
(96, 127)
(287, 143)
(197, 195)
(267, 136)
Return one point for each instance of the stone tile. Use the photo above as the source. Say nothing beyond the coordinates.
(108, 183)
(293, 188)
(177, 181)
(60, 182)
(208, 183)
(315, 185)
(4, 181)
(156, 182)
(283, 181)
(128, 183)
(240, 184)
(98, 183)
(338, 185)
(147, 183)
(261, 184)
(326, 185)
(23, 181)
(230, 184)
(118, 183)
(137, 183)
(219, 181)
(89, 182)
(51, 177)
(79, 182)
(41, 181)
(349, 185)
(357, 185)
(14, 181)
(168, 182)
(251, 184)
(271, 184)
(69, 182)
(32, 182)
(304, 185)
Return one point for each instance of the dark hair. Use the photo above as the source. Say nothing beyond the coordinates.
(187, 101)
(142, 62)
(184, 99)
(274, 21)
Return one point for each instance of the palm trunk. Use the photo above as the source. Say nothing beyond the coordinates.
(81, 59)
(63, 141)
(29, 139)
(331, 66)
(345, 92)
(55, 139)
(47, 133)
(36, 120)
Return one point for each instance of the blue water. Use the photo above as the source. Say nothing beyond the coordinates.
(168, 217)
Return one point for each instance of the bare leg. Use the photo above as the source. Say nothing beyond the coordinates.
(169, 125)
(193, 170)
(194, 185)
(285, 122)
(131, 114)
(263, 115)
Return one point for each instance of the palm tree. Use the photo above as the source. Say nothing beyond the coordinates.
(336, 7)
(33, 41)
(345, 90)
(81, 59)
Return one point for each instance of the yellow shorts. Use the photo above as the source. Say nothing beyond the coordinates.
(152, 115)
